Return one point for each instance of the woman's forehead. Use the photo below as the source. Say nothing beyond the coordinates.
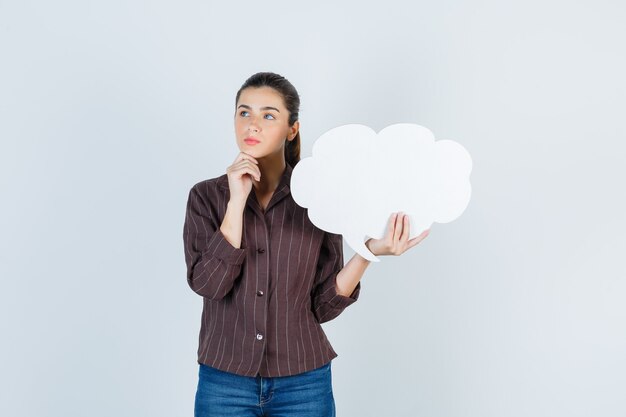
(261, 97)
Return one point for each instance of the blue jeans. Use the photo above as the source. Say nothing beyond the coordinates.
(224, 394)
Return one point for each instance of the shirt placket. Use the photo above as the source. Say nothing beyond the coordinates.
(263, 259)
(263, 269)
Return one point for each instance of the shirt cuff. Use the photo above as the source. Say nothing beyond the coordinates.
(221, 248)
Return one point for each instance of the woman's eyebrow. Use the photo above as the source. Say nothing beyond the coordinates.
(262, 108)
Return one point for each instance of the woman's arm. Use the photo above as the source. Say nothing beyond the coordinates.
(326, 302)
(232, 225)
(212, 251)
(351, 274)
(395, 242)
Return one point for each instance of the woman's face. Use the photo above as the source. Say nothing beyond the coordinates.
(261, 114)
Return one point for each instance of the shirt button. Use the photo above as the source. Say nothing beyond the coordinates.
(259, 336)
(259, 292)
(260, 250)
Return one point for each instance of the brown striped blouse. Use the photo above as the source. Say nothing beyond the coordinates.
(262, 303)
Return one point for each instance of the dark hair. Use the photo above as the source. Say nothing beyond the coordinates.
(291, 100)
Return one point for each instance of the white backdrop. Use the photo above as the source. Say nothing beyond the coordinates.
(110, 111)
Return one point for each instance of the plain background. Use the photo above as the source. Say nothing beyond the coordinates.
(110, 111)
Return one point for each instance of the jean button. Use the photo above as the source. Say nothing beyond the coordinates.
(259, 336)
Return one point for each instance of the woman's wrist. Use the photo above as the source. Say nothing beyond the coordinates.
(235, 205)
(367, 245)
(232, 224)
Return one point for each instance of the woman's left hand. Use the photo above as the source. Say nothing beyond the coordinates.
(395, 241)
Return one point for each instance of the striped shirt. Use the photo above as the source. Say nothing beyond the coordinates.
(263, 302)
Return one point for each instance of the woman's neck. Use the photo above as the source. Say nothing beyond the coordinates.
(271, 172)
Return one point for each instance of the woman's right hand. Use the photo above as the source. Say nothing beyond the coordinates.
(240, 176)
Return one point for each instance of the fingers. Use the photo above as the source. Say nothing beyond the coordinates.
(390, 224)
(419, 238)
(242, 155)
(256, 174)
(246, 166)
(250, 165)
(405, 228)
(397, 227)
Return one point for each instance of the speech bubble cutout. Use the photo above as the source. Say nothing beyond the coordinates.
(356, 179)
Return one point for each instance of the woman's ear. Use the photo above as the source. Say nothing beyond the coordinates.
(294, 130)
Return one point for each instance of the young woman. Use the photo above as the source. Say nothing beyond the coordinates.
(267, 275)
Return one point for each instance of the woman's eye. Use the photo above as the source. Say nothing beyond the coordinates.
(241, 113)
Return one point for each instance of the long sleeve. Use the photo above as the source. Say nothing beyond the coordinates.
(213, 263)
(326, 302)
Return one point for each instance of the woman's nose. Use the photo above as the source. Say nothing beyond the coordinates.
(253, 127)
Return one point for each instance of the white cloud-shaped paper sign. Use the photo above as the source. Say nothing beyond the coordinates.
(356, 179)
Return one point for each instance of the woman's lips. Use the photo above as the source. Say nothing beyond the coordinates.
(251, 141)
